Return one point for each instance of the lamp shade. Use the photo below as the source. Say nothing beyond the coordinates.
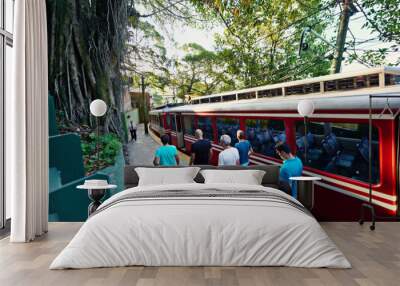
(98, 107)
(305, 107)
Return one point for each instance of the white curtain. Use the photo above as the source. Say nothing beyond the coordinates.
(27, 124)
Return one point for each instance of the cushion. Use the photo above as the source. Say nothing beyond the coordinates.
(166, 176)
(246, 177)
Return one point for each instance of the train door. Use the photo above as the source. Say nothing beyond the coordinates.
(179, 131)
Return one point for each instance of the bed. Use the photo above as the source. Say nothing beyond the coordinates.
(198, 224)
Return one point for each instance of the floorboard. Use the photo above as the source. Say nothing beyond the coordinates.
(375, 257)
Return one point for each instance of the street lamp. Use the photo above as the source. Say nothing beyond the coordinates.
(98, 108)
(305, 108)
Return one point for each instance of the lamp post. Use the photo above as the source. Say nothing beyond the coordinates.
(305, 108)
(144, 98)
(98, 108)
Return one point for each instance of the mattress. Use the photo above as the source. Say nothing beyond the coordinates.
(201, 225)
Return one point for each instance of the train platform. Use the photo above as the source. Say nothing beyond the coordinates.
(142, 151)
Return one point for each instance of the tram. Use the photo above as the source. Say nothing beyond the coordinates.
(347, 106)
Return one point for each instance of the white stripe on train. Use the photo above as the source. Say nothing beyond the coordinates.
(295, 115)
(393, 207)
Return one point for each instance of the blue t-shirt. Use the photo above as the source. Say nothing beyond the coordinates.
(243, 148)
(167, 155)
(291, 168)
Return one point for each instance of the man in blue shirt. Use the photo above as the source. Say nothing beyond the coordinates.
(291, 167)
(166, 155)
(244, 148)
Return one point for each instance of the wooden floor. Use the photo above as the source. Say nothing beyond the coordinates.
(375, 257)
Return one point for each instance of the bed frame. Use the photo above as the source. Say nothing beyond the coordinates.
(270, 179)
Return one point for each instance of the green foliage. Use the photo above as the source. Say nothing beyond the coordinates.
(86, 45)
(109, 146)
(260, 42)
(383, 16)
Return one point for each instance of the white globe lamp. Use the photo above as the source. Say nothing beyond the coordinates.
(305, 108)
(98, 108)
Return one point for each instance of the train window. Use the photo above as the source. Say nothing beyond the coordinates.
(205, 124)
(229, 97)
(270, 92)
(178, 123)
(392, 79)
(188, 124)
(215, 99)
(339, 148)
(373, 80)
(205, 100)
(173, 122)
(352, 83)
(246, 95)
(168, 119)
(303, 89)
(228, 126)
(160, 120)
(195, 101)
(263, 135)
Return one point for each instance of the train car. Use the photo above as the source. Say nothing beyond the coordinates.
(337, 136)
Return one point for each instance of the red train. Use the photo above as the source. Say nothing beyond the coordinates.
(337, 137)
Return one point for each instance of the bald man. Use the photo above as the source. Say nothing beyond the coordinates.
(201, 151)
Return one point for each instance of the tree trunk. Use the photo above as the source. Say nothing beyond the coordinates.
(86, 48)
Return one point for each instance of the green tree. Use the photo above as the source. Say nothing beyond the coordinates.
(201, 72)
(261, 39)
(92, 43)
(382, 18)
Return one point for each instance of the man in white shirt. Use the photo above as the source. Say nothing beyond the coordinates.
(230, 155)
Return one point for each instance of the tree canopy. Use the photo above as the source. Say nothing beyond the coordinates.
(96, 47)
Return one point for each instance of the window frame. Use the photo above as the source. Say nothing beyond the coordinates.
(212, 121)
(192, 121)
(234, 140)
(340, 176)
(6, 41)
(283, 120)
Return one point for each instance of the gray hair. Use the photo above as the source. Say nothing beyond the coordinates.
(198, 133)
(225, 139)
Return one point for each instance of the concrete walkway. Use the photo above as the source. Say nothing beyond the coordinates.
(142, 151)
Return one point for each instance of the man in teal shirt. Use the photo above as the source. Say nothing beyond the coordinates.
(291, 167)
(166, 155)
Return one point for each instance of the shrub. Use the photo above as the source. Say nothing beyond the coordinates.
(109, 146)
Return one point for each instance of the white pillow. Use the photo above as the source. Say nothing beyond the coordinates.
(244, 177)
(166, 176)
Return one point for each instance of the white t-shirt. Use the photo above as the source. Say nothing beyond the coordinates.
(228, 157)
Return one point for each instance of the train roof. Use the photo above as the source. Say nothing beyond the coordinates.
(347, 100)
(319, 90)
(344, 75)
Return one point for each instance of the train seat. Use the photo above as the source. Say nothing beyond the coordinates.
(345, 160)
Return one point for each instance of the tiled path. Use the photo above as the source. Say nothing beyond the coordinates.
(142, 151)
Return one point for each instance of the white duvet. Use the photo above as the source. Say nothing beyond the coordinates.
(200, 231)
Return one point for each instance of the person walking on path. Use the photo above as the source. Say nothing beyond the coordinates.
(201, 151)
(244, 148)
(230, 155)
(132, 130)
(166, 155)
